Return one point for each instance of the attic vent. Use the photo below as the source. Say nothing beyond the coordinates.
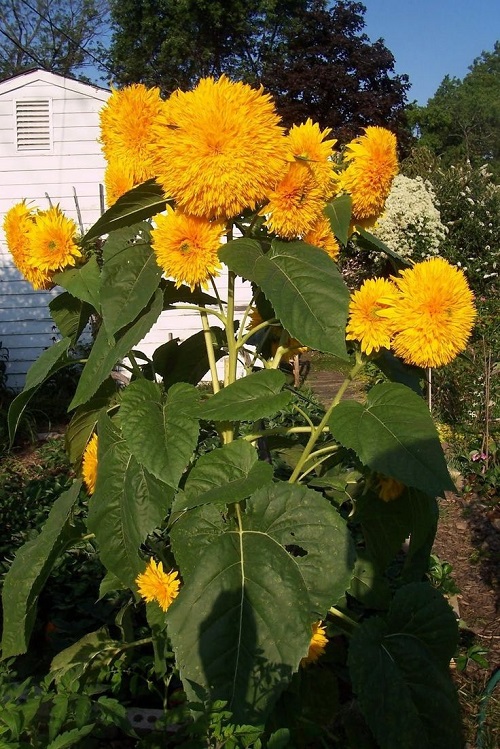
(33, 125)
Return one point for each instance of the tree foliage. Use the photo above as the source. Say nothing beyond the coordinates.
(56, 35)
(462, 120)
(315, 60)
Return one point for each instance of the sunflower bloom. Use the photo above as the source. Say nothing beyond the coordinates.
(156, 585)
(433, 314)
(218, 148)
(372, 165)
(117, 181)
(389, 488)
(317, 645)
(296, 204)
(52, 241)
(186, 247)
(308, 143)
(89, 464)
(126, 120)
(368, 322)
(17, 225)
(321, 235)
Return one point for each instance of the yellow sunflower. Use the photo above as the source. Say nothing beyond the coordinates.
(218, 149)
(389, 488)
(308, 143)
(126, 120)
(372, 165)
(89, 464)
(368, 322)
(317, 645)
(433, 314)
(52, 241)
(321, 235)
(17, 225)
(156, 585)
(186, 247)
(117, 181)
(296, 203)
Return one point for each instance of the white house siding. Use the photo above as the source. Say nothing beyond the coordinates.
(74, 161)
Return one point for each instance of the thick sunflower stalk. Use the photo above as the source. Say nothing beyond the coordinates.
(262, 570)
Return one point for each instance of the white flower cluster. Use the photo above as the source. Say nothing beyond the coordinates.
(411, 224)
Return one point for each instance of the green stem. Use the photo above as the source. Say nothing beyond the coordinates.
(209, 345)
(197, 308)
(135, 367)
(277, 430)
(231, 343)
(349, 625)
(316, 433)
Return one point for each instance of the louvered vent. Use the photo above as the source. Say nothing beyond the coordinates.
(33, 125)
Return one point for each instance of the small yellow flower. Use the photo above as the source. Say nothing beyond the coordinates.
(126, 121)
(433, 314)
(52, 243)
(89, 464)
(218, 148)
(295, 204)
(321, 235)
(389, 488)
(368, 322)
(317, 646)
(156, 585)
(18, 222)
(186, 247)
(372, 165)
(308, 143)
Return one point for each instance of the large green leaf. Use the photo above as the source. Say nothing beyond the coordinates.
(424, 519)
(228, 626)
(85, 419)
(70, 314)
(128, 281)
(48, 362)
(253, 397)
(160, 433)
(82, 282)
(127, 505)
(188, 361)
(173, 294)
(399, 671)
(385, 526)
(394, 434)
(339, 213)
(226, 474)
(29, 572)
(304, 286)
(105, 353)
(142, 202)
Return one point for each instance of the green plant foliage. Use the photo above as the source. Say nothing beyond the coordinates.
(224, 475)
(394, 419)
(304, 286)
(106, 354)
(82, 282)
(127, 505)
(242, 630)
(30, 570)
(254, 397)
(339, 213)
(130, 275)
(144, 412)
(403, 660)
(138, 204)
(70, 314)
(86, 416)
(187, 361)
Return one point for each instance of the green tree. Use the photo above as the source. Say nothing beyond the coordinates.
(56, 35)
(314, 59)
(462, 120)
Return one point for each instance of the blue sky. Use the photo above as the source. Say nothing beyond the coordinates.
(432, 38)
